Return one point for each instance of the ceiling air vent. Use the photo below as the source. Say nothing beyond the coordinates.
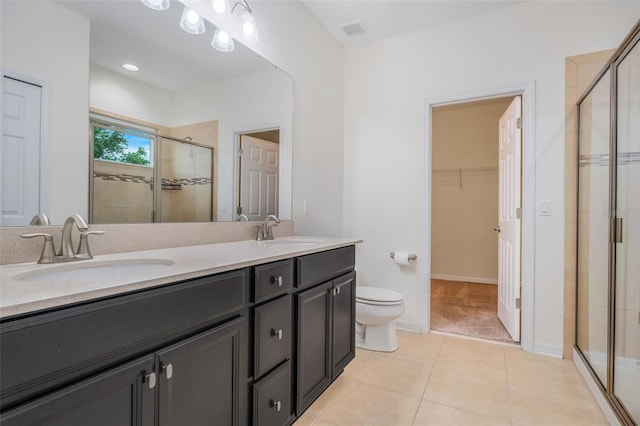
(353, 28)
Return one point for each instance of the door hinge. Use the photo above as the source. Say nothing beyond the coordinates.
(518, 303)
(519, 213)
(519, 123)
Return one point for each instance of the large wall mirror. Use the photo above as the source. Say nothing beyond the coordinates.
(194, 135)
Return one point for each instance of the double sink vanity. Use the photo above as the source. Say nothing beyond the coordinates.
(246, 332)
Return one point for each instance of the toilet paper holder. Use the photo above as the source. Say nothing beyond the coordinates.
(412, 256)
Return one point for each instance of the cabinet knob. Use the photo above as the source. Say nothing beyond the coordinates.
(277, 280)
(167, 370)
(276, 404)
(151, 380)
(276, 333)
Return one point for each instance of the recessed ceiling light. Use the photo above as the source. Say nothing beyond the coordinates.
(130, 67)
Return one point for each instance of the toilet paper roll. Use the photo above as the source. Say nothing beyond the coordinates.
(401, 257)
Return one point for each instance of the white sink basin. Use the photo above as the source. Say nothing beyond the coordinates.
(96, 271)
(298, 242)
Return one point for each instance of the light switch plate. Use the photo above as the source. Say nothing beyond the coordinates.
(545, 208)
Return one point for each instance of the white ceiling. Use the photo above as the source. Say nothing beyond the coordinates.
(385, 18)
(169, 58)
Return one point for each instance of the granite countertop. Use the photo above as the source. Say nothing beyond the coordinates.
(22, 291)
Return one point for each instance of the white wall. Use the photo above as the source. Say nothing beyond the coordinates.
(57, 56)
(386, 85)
(113, 92)
(251, 102)
(293, 39)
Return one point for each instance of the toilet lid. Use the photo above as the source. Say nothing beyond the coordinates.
(375, 295)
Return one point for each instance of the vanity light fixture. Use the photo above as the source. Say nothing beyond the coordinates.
(249, 28)
(131, 67)
(222, 41)
(191, 21)
(156, 4)
(220, 6)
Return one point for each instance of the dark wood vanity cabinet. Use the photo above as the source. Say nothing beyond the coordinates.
(251, 346)
(163, 356)
(325, 318)
(196, 381)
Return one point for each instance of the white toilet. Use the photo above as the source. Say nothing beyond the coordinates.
(376, 310)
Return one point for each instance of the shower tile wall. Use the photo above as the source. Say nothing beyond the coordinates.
(122, 193)
(186, 183)
(627, 303)
(580, 71)
(593, 231)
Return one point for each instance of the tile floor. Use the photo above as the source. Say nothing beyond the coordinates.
(435, 379)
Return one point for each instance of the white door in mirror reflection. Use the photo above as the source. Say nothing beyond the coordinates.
(258, 177)
(21, 110)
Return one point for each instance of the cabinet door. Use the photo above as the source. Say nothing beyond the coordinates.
(313, 343)
(203, 379)
(343, 327)
(121, 396)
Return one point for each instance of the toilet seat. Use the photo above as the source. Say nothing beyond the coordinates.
(378, 296)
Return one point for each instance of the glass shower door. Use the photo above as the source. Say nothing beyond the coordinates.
(593, 228)
(626, 367)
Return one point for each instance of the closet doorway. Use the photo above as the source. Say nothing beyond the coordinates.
(476, 201)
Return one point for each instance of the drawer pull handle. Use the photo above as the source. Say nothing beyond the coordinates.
(276, 333)
(168, 370)
(151, 380)
(276, 404)
(277, 280)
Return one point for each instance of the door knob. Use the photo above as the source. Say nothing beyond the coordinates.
(276, 404)
(497, 228)
(276, 333)
(168, 370)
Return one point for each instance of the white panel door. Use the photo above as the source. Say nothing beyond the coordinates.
(21, 109)
(258, 177)
(509, 201)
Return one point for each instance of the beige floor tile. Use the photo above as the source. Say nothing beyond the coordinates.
(416, 347)
(393, 374)
(545, 376)
(531, 406)
(441, 415)
(313, 412)
(455, 345)
(361, 404)
(469, 392)
(488, 364)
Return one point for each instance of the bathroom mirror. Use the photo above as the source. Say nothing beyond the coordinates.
(184, 90)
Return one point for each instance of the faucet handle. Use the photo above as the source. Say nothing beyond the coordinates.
(48, 251)
(83, 246)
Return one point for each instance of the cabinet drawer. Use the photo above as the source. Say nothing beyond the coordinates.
(272, 398)
(44, 351)
(319, 267)
(272, 280)
(272, 334)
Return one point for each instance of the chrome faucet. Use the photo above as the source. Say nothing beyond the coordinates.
(243, 218)
(66, 252)
(264, 231)
(40, 219)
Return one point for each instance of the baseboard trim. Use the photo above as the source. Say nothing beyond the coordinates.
(595, 389)
(546, 349)
(478, 280)
(409, 326)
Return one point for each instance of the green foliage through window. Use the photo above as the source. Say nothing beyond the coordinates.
(115, 146)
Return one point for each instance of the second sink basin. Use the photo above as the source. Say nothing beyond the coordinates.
(96, 271)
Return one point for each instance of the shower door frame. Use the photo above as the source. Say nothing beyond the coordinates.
(630, 41)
